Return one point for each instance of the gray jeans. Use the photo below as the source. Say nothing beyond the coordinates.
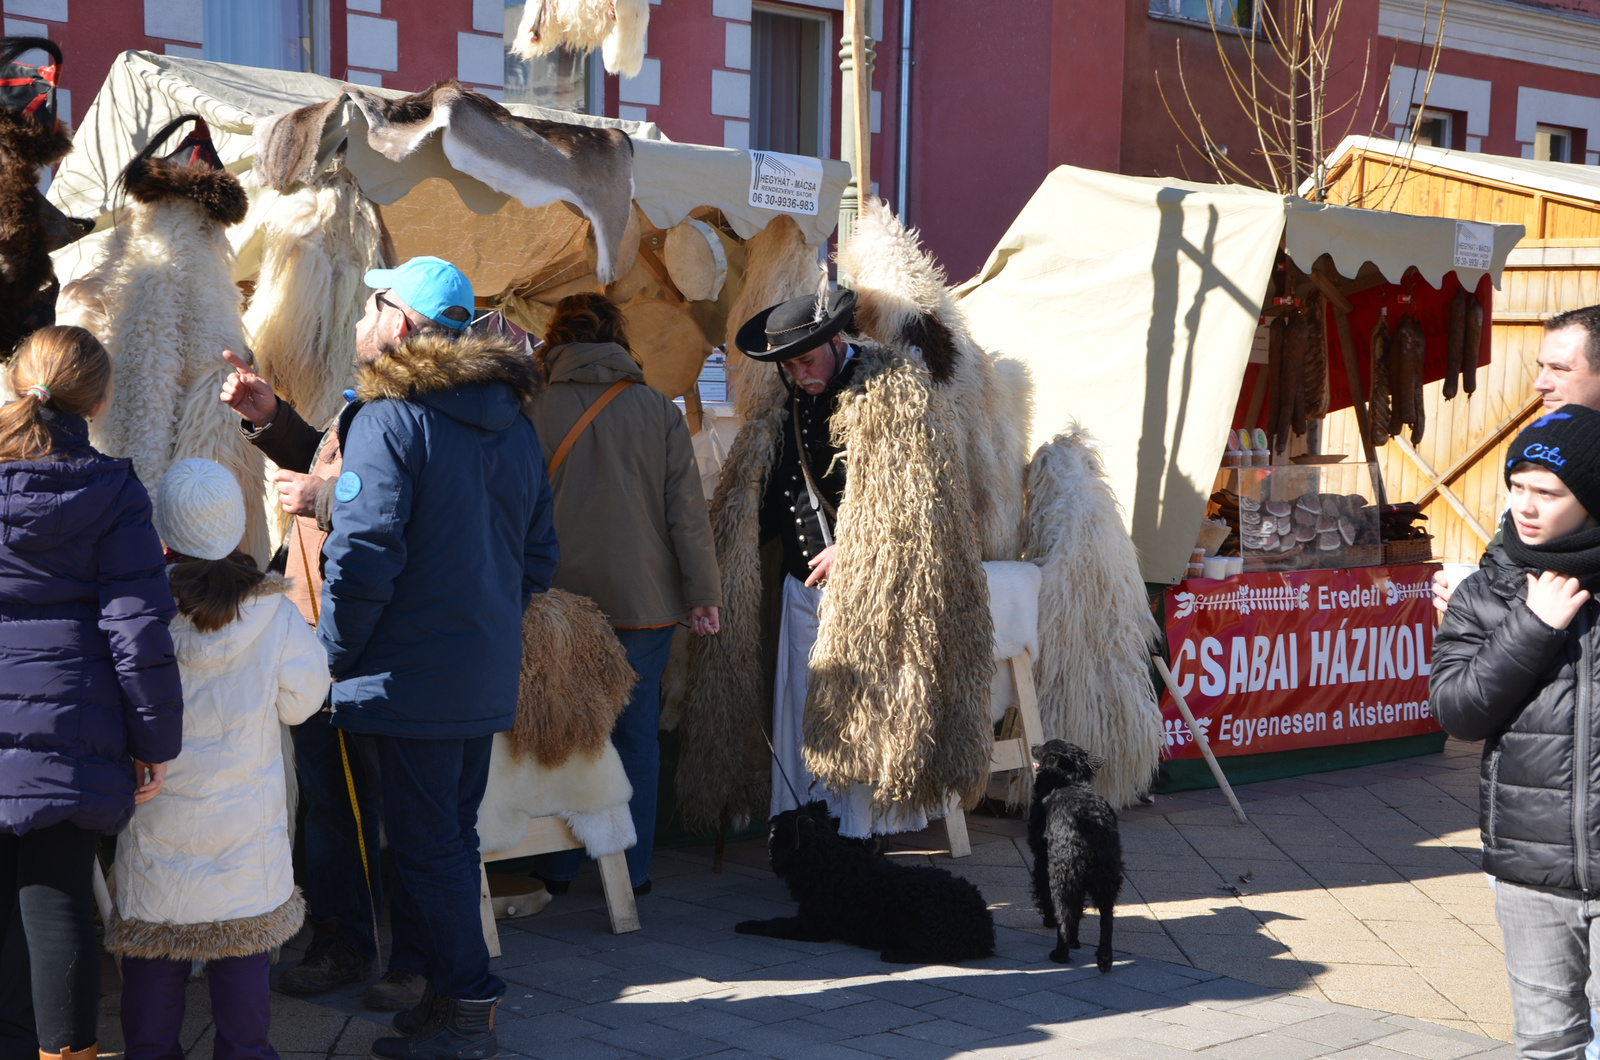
(1552, 941)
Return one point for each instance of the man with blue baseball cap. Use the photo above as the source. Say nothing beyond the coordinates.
(428, 506)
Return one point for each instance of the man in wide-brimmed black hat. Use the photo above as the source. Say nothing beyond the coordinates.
(805, 337)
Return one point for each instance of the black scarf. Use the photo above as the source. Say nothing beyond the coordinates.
(1577, 555)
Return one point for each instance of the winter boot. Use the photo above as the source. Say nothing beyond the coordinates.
(456, 1030)
(396, 991)
(88, 1052)
(416, 1017)
(328, 963)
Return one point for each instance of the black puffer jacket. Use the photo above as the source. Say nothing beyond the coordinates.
(1528, 691)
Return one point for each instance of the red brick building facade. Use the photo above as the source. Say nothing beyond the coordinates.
(999, 92)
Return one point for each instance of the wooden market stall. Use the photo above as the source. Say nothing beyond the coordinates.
(1454, 473)
(1157, 313)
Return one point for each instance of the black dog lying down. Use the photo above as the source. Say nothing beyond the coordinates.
(1077, 849)
(912, 914)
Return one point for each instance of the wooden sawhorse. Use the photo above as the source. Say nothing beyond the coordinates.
(546, 835)
(1013, 752)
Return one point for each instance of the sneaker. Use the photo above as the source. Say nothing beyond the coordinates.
(328, 963)
(456, 1030)
(396, 991)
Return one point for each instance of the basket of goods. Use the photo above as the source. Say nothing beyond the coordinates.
(1405, 540)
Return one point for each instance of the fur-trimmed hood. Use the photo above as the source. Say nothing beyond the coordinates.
(455, 377)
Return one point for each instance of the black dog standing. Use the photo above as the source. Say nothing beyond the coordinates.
(911, 914)
(1077, 850)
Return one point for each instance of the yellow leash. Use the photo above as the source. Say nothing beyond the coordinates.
(344, 756)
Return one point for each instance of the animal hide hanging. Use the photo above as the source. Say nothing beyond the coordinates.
(30, 227)
(617, 27)
(899, 677)
(318, 242)
(1095, 629)
(902, 303)
(575, 680)
(164, 303)
(778, 266)
(589, 792)
(536, 162)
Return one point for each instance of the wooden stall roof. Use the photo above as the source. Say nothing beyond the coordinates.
(1552, 200)
(1458, 465)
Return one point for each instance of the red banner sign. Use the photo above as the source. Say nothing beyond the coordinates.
(1273, 662)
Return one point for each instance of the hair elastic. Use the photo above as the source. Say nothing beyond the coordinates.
(39, 392)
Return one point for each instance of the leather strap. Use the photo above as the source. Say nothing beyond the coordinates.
(587, 418)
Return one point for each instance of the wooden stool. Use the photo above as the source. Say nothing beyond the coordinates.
(546, 835)
(1013, 753)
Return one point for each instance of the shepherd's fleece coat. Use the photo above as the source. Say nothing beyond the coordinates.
(1095, 628)
(902, 303)
(164, 304)
(25, 244)
(617, 27)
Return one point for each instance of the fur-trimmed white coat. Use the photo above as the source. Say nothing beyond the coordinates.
(204, 869)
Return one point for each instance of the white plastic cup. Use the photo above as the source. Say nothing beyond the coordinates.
(1235, 565)
(1215, 567)
(1456, 573)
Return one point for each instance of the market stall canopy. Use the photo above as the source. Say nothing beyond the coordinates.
(1134, 302)
(143, 91)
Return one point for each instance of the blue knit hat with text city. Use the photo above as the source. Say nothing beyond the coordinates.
(1565, 441)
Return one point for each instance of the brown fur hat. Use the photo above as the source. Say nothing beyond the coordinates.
(192, 172)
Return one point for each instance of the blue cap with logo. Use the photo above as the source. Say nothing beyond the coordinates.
(1567, 442)
(430, 286)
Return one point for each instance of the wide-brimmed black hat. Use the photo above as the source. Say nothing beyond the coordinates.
(791, 328)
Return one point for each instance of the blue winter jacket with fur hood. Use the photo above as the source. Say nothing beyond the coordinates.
(442, 532)
(88, 678)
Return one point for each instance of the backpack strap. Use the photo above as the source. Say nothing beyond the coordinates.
(587, 418)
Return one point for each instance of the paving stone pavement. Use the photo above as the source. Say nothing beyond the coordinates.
(1323, 952)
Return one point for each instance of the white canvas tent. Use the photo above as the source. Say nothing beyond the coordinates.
(1134, 302)
(143, 91)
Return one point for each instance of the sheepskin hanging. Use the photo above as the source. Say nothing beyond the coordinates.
(318, 241)
(902, 303)
(575, 680)
(1095, 628)
(899, 689)
(778, 266)
(616, 27)
(164, 304)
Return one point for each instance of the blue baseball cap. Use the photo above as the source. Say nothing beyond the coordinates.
(430, 286)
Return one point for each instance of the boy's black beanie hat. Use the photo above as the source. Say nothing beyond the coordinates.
(1567, 442)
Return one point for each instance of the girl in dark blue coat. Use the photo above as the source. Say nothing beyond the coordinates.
(90, 698)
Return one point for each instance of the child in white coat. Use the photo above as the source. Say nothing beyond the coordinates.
(204, 870)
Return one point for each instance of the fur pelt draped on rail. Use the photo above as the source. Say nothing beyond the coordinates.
(899, 689)
(616, 27)
(575, 679)
(1095, 628)
(902, 303)
(163, 302)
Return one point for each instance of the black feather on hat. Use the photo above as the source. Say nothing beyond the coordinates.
(193, 171)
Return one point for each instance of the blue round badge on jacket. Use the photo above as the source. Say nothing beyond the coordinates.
(347, 487)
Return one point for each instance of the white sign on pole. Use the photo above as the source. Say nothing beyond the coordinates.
(791, 183)
(1474, 245)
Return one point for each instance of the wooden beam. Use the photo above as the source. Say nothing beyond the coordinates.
(1442, 490)
(654, 265)
(1494, 438)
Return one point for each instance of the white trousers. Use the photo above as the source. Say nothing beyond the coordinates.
(796, 637)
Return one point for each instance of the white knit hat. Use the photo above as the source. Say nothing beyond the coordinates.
(199, 509)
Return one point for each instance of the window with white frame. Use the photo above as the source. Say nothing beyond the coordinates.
(1551, 143)
(1434, 128)
(791, 74)
(1230, 14)
(562, 80)
(265, 33)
